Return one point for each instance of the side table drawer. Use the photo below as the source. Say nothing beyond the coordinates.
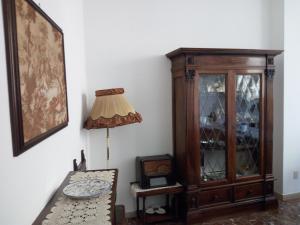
(249, 191)
(214, 196)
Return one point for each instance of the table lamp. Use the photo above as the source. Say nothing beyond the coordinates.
(111, 109)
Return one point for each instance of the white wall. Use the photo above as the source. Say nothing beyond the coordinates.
(291, 96)
(277, 42)
(126, 42)
(28, 181)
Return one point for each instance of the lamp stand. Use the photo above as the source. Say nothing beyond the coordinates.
(107, 148)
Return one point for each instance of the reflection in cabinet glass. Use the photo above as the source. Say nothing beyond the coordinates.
(247, 124)
(212, 127)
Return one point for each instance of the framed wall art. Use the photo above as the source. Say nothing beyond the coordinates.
(36, 74)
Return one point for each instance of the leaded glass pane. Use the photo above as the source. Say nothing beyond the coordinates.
(247, 124)
(212, 127)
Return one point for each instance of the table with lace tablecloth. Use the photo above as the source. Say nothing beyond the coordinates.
(62, 210)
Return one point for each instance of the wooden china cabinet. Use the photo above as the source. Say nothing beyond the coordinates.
(223, 129)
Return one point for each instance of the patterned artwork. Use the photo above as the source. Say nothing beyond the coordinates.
(36, 73)
(41, 66)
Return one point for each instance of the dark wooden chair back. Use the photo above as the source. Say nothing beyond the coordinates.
(82, 164)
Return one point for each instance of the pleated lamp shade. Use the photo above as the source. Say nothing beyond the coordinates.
(111, 109)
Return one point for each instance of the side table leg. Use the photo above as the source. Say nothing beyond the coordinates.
(137, 207)
(176, 206)
(168, 202)
(144, 210)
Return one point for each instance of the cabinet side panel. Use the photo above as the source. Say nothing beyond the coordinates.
(180, 128)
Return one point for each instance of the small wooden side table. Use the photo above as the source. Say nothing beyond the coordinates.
(171, 210)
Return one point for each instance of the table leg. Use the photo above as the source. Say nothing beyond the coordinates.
(176, 206)
(144, 210)
(137, 207)
(168, 201)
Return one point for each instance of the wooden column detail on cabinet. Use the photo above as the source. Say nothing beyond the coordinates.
(191, 132)
(269, 179)
(269, 74)
(223, 128)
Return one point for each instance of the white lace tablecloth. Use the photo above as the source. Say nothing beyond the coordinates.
(93, 211)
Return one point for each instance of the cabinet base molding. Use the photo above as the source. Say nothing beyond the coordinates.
(204, 203)
(194, 216)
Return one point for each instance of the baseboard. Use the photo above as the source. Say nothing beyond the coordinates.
(288, 196)
(130, 214)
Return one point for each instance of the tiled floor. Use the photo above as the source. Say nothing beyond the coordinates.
(288, 213)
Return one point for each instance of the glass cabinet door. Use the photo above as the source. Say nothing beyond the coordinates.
(247, 124)
(212, 102)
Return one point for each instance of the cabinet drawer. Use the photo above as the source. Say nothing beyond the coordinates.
(249, 191)
(214, 196)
